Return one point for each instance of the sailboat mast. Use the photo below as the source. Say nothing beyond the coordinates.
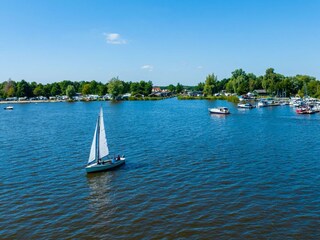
(97, 140)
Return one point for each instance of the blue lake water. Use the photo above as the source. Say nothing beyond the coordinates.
(254, 174)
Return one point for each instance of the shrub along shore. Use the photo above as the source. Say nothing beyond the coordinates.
(233, 99)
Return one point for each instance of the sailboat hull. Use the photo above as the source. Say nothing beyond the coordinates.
(104, 166)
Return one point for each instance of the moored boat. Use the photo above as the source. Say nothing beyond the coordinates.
(219, 110)
(262, 103)
(246, 105)
(305, 110)
(8, 108)
(273, 103)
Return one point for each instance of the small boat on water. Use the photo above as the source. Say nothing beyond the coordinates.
(305, 110)
(99, 150)
(246, 105)
(262, 103)
(219, 110)
(8, 108)
(273, 103)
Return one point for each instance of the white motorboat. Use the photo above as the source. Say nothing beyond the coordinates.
(8, 108)
(262, 103)
(246, 105)
(273, 103)
(219, 110)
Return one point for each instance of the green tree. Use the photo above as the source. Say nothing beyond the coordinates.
(47, 90)
(126, 87)
(9, 88)
(115, 87)
(94, 87)
(145, 87)
(39, 90)
(301, 93)
(148, 87)
(239, 81)
(221, 85)
(86, 89)
(55, 89)
(70, 91)
(229, 87)
(77, 86)
(171, 88)
(135, 88)
(1, 90)
(102, 89)
(271, 81)
(142, 88)
(33, 86)
(63, 85)
(179, 88)
(23, 89)
(210, 85)
(287, 87)
(200, 86)
(252, 81)
(317, 94)
(312, 87)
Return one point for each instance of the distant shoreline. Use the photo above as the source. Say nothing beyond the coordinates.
(31, 101)
(229, 98)
(98, 100)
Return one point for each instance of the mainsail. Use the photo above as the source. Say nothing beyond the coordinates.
(103, 146)
(99, 146)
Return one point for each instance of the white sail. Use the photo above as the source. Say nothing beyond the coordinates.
(93, 151)
(103, 146)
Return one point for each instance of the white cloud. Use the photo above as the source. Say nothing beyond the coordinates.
(147, 67)
(114, 38)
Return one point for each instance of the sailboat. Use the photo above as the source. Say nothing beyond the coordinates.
(100, 150)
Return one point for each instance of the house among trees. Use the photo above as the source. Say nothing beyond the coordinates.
(260, 92)
(156, 89)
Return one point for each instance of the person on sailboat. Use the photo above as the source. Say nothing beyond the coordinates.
(118, 158)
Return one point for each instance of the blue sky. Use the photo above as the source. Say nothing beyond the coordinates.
(158, 40)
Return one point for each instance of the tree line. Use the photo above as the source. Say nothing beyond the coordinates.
(115, 86)
(273, 83)
(240, 83)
